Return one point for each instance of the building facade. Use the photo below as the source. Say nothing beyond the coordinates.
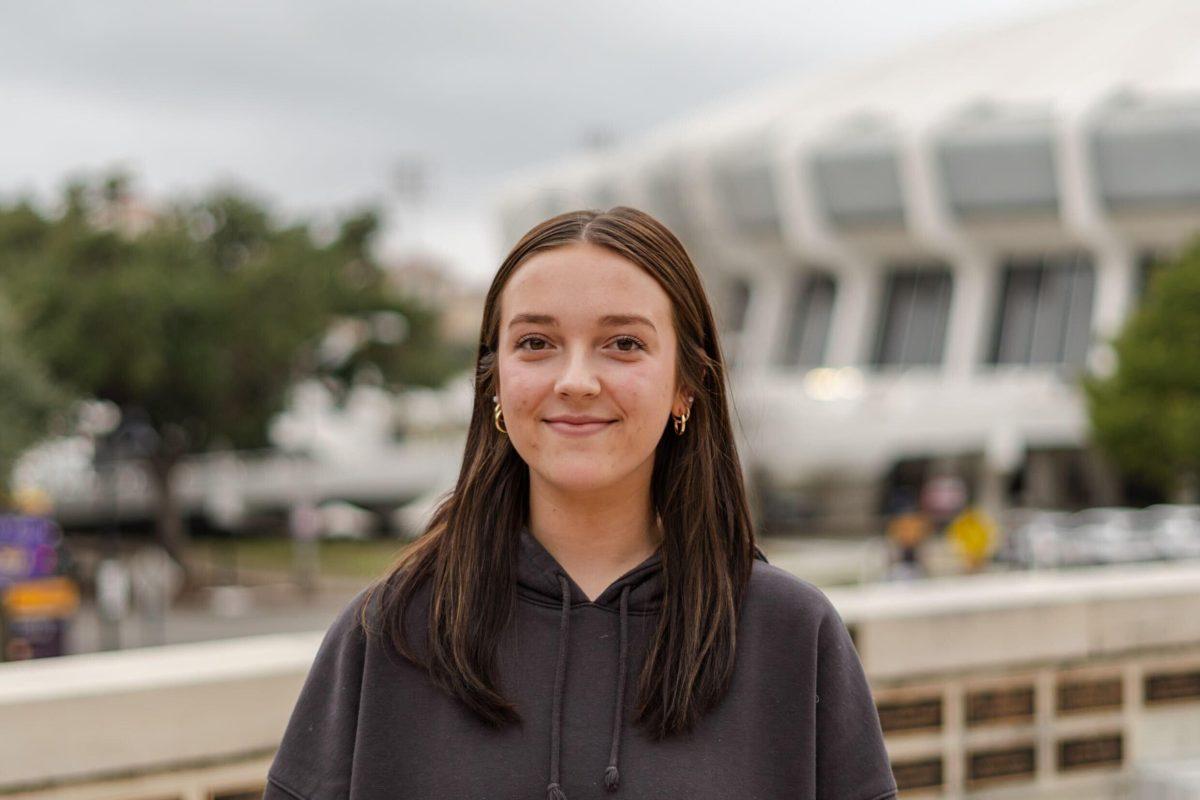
(914, 259)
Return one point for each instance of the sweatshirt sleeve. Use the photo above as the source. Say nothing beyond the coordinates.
(852, 762)
(316, 754)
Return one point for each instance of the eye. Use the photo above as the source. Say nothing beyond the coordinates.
(631, 340)
(532, 338)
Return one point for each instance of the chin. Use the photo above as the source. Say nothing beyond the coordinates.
(579, 476)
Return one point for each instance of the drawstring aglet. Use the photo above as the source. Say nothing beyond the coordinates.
(612, 779)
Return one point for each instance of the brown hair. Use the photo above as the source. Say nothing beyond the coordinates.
(469, 549)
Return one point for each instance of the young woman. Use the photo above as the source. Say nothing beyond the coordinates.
(588, 613)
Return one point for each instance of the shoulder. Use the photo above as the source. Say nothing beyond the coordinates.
(345, 637)
(356, 619)
(782, 604)
(371, 620)
(785, 612)
(776, 589)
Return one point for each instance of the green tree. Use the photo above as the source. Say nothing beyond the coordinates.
(1146, 414)
(30, 404)
(202, 318)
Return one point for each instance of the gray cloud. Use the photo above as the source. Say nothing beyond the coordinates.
(314, 102)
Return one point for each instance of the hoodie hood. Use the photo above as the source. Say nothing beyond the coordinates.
(542, 580)
(538, 571)
(538, 575)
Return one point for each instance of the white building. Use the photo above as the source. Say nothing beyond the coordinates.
(913, 258)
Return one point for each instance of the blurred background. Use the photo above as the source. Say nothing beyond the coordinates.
(953, 249)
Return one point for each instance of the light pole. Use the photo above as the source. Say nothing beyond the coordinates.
(346, 337)
(119, 436)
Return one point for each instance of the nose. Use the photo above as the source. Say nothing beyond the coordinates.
(578, 378)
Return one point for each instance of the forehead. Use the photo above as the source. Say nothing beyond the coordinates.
(583, 280)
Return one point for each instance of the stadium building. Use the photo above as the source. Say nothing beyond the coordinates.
(914, 259)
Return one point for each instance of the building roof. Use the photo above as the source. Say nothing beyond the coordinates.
(1094, 52)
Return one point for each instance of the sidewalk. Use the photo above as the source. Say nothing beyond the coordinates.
(224, 612)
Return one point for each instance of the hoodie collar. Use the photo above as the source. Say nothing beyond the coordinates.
(538, 571)
(541, 579)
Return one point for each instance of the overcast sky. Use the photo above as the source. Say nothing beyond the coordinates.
(312, 105)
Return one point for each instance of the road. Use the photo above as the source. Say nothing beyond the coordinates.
(221, 613)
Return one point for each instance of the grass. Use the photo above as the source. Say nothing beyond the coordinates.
(338, 558)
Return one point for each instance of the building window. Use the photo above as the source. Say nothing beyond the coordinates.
(748, 194)
(860, 184)
(669, 200)
(808, 325)
(737, 303)
(1045, 310)
(912, 327)
(731, 315)
(995, 167)
(1146, 154)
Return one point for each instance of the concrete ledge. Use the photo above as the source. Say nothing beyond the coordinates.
(1000, 620)
(93, 716)
(217, 710)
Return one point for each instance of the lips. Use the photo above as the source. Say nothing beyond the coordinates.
(578, 425)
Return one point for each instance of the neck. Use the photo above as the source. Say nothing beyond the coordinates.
(596, 536)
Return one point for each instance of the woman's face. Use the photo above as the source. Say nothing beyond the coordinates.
(587, 367)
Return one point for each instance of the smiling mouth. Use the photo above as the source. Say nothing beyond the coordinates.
(578, 428)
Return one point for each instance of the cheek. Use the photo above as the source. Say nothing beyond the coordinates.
(521, 390)
(522, 399)
(644, 394)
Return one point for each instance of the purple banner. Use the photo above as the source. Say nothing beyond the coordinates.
(28, 547)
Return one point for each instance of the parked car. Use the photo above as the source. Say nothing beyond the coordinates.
(1176, 529)
(1038, 538)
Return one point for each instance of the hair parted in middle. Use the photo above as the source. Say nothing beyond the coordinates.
(466, 558)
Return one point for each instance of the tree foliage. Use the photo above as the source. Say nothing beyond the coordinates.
(203, 318)
(200, 315)
(30, 403)
(1146, 414)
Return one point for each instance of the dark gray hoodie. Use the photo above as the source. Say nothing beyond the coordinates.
(798, 722)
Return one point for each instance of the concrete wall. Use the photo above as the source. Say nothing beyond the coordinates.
(1066, 685)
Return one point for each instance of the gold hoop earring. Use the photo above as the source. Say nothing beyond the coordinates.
(496, 418)
(681, 422)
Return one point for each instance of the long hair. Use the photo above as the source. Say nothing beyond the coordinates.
(468, 552)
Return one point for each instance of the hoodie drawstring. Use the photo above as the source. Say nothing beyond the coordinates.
(554, 791)
(612, 775)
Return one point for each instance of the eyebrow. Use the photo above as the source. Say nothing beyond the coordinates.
(608, 320)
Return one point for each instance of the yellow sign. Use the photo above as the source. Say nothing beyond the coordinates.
(33, 500)
(973, 534)
(44, 597)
